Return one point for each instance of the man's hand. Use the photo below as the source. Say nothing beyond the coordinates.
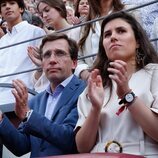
(21, 97)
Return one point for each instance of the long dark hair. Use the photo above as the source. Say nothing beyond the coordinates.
(94, 11)
(76, 8)
(145, 47)
(57, 4)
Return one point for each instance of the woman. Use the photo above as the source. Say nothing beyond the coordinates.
(117, 112)
(81, 11)
(47, 8)
(88, 36)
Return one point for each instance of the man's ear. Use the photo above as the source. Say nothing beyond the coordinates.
(21, 11)
(74, 64)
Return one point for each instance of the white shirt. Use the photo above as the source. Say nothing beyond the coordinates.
(123, 128)
(15, 59)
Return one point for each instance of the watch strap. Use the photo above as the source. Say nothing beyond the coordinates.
(123, 100)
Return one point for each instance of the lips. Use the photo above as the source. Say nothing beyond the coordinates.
(114, 46)
(53, 69)
(8, 13)
(48, 21)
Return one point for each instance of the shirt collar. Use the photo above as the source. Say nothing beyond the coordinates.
(18, 27)
(61, 85)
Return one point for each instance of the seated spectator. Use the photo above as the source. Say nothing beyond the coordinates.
(15, 59)
(47, 8)
(81, 11)
(117, 113)
(48, 120)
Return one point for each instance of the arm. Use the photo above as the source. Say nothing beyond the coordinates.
(14, 139)
(87, 134)
(58, 132)
(143, 115)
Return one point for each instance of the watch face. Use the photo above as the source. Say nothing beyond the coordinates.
(129, 97)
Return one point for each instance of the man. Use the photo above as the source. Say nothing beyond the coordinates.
(15, 59)
(50, 117)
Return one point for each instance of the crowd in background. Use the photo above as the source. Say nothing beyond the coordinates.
(51, 16)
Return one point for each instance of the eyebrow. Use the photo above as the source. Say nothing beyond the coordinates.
(117, 28)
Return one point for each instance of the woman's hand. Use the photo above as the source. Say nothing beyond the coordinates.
(95, 90)
(118, 73)
(34, 55)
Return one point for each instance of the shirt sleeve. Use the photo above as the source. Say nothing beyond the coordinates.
(83, 107)
(154, 88)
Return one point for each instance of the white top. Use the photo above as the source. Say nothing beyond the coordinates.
(123, 128)
(15, 59)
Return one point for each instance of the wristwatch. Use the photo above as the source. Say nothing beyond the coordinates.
(128, 98)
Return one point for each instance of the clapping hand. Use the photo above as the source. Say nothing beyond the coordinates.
(34, 55)
(118, 73)
(95, 90)
(21, 97)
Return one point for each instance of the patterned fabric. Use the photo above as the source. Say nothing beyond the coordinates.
(148, 13)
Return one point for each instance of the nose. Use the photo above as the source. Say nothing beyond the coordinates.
(85, 4)
(113, 36)
(7, 6)
(44, 15)
(53, 58)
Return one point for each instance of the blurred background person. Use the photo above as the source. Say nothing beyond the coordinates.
(81, 12)
(148, 13)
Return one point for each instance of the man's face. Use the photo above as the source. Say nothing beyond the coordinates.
(11, 12)
(56, 61)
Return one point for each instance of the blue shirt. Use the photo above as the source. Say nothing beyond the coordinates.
(54, 97)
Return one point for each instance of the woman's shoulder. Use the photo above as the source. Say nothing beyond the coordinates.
(151, 65)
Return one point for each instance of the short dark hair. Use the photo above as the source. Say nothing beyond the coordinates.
(20, 3)
(73, 47)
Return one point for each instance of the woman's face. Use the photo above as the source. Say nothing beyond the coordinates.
(83, 7)
(50, 15)
(119, 41)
